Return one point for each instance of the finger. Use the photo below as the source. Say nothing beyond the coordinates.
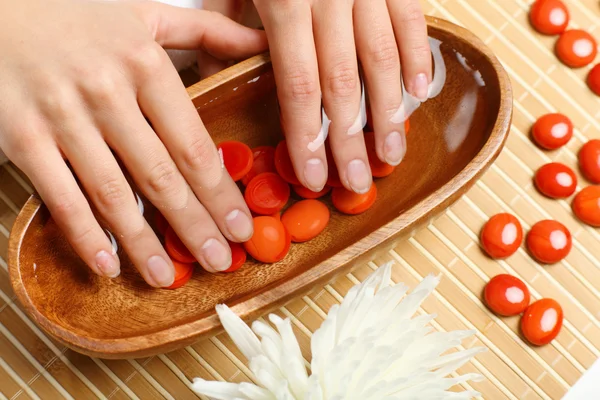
(209, 65)
(290, 33)
(191, 29)
(165, 102)
(378, 53)
(69, 208)
(158, 177)
(411, 33)
(340, 83)
(112, 195)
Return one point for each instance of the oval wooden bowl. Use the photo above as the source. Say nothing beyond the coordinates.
(453, 139)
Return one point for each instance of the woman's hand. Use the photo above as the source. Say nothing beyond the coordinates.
(314, 47)
(78, 79)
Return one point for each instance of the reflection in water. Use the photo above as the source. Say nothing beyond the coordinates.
(459, 126)
(476, 74)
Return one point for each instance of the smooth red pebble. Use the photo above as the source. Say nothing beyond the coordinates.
(161, 223)
(556, 180)
(589, 160)
(305, 220)
(264, 161)
(542, 321)
(552, 131)
(501, 236)
(586, 205)
(593, 79)
(176, 249)
(353, 203)
(237, 158)
(576, 48)
(379, 169)
(183, 273)
(283, 164)
(306, 193)
(286, 247)
(506, 295)
(333, 175)
(267, 193)
(549, 17)
(549, 241)
(269, 240)
(238, 256)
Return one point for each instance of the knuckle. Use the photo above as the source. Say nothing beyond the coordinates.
(383, 51)
(133, 231)
(64, 205)
(301, 86)
(199, 155)
(146, 59)
(23, 140)
(82, 236)
(163, 178)
(58, 102)
(111, 194)
(412, 13)
(103, 87)
(342, 81)
(421, 51)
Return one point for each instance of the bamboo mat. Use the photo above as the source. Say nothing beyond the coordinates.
(33, 366)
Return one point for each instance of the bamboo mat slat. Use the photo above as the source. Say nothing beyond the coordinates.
(32, 366)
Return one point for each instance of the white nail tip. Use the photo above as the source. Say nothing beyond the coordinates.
(140, 203)
(411, 103)
(113, 242)
(357, 126)
(361, 118)
(322, 136)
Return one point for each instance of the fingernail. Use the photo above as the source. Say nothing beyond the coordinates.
(108, 264)
(216, 255)
(314, 174)
(358, 176)
(239, 225)
(421, 86)
(394, 148)
(162, 273)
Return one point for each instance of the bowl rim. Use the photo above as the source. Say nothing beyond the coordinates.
(278, 293)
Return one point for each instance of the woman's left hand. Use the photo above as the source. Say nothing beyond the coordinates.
(315, 48)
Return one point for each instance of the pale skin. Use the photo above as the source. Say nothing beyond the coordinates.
(79, 78)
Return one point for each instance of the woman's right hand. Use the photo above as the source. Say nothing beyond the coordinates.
(78, 79)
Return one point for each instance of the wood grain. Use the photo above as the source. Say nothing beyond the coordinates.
(126, 318)
(447, 246)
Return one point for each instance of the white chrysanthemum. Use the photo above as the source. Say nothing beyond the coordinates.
(369, 348)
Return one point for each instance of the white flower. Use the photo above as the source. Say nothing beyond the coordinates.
(370, 347)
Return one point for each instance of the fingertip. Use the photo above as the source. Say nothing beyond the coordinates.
(315, 174)
(161, 272)
(420, 86)
(107, 264)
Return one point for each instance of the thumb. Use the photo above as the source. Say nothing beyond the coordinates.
(191, 29)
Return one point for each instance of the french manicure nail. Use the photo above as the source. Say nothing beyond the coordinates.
(239, 225)
(394, 148)
(162, 273)
(108, 264)
(358, 176)
(216, 255)
(314, 174)
(421, 86)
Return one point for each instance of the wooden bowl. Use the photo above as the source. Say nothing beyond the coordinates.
(454, 137)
